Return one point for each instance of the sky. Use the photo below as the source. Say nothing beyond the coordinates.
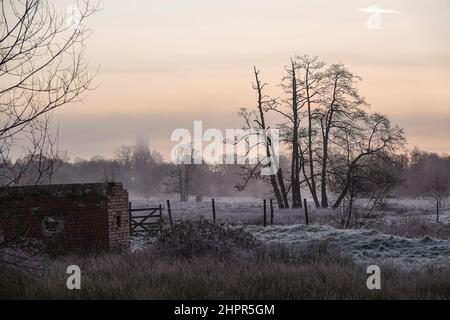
(163, 64)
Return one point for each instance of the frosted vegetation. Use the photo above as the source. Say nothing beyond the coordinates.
(367, 246)
(403, 232)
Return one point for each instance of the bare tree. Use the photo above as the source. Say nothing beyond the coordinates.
(371, 182)
(312, 88)
(290, 84)
(438, 190)
(303, 83)
(180, 180)
(341, 105)
(124, 155)
(255, 119)
(370, 140)
(42, 67)
(337, 129)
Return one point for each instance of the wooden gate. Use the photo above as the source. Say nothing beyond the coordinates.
(149, 219)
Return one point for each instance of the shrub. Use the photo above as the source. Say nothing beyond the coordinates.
(199, 238)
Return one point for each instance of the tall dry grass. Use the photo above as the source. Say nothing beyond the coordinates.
(414, 226)
(243, 269)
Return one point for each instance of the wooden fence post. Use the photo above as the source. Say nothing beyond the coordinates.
(169, 212)
(306, 211)
(160, 218)
(437, 211)
(265, 213)
(129, 217)
(213, 203)
(271, 212)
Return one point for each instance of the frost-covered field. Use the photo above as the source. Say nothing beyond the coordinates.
(228, 210)
(250, 210)
(364, 245)
(425, 207)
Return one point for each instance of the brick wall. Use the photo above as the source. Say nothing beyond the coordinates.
(67, 218)
(118, 218)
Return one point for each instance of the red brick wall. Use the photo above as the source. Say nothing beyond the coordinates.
(67, 218)
(118, 231)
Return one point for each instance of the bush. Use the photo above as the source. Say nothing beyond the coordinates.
(205, 238)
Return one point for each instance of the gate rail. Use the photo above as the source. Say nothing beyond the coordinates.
(151, 219)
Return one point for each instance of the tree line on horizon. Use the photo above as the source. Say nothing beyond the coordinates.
(144, 173)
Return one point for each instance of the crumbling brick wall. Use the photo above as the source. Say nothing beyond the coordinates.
(118, 215)
(66, 218)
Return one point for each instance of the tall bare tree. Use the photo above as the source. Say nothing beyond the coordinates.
(255, 119)
(304, 83)
(290, 84)
(311, 88)
(341, 105)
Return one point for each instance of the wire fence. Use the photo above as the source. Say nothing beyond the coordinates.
(265, 212)
(243, 212)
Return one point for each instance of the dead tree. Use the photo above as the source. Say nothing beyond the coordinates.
(255, 119)
(294, 104)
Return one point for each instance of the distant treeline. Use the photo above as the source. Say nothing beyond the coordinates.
(144, 173)
(425, 174)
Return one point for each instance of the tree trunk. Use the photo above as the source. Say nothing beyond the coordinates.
(312, 185)
(276, 191)
(280, 193)
(323, 178)
(295, 181)
(340, 198)
(282, 188)
(326, 138)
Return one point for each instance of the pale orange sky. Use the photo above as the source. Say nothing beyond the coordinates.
(165, 63)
